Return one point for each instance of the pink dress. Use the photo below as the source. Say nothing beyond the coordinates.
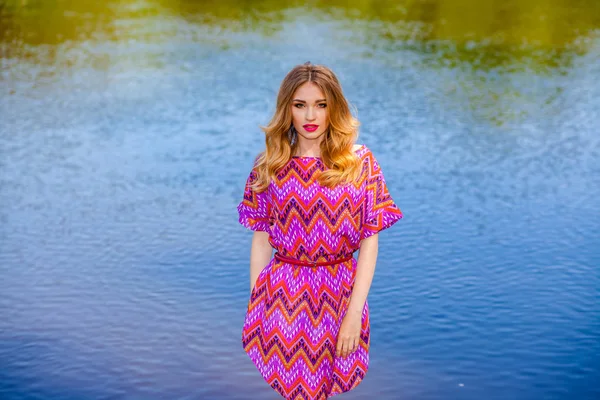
(295, 312)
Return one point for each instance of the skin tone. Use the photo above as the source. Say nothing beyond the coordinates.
(309, 107)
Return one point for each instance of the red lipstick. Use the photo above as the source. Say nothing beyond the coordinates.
(310, 127)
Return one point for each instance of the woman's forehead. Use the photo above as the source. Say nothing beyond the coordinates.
(309, 91)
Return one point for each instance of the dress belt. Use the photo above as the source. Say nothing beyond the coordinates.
(310, 263)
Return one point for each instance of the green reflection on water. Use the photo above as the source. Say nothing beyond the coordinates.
(481, 32)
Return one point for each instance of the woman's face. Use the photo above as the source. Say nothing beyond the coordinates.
(309, 111)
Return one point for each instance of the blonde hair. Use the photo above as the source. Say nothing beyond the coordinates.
(337, 154)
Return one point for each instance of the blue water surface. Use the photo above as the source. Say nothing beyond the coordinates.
(125, 273)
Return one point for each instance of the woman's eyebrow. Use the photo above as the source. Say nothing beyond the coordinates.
(302, 101)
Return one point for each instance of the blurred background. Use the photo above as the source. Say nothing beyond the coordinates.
(128, 129)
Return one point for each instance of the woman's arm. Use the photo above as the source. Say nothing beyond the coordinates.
(260, 255)
(365, 269)
(349, 334)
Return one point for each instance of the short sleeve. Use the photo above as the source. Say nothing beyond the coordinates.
(253, 209)
(379, 212)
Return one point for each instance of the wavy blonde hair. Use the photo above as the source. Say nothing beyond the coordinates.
(342, 164)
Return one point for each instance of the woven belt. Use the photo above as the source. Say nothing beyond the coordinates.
(310, 263)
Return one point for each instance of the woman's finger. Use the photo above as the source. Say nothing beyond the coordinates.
(344, 348)
(338, 349)
(348, 344)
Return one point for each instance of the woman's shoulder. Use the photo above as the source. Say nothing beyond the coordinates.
(361, 150)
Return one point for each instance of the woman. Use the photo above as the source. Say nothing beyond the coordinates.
(315, 197)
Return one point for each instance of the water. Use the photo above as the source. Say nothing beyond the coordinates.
(127, 132)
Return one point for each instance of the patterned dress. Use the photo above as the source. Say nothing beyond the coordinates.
(295, 312)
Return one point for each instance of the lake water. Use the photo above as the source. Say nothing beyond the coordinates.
(128, 128)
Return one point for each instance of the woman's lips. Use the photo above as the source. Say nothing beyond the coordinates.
(310, 127)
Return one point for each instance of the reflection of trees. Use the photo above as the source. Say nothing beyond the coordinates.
(52, 22)
(486, 34)
(479, 32)
(463, 37)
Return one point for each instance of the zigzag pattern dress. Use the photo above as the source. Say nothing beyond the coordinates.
(295, 312)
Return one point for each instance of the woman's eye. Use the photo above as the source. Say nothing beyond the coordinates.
(300, 105)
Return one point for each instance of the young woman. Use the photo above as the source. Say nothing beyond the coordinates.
(316, 198)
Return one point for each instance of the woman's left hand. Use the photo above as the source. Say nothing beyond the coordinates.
(349, 335)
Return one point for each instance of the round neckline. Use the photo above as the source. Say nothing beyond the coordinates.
(305, 157)
(318, 158)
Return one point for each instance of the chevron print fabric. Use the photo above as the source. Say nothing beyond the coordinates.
(294, 312)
